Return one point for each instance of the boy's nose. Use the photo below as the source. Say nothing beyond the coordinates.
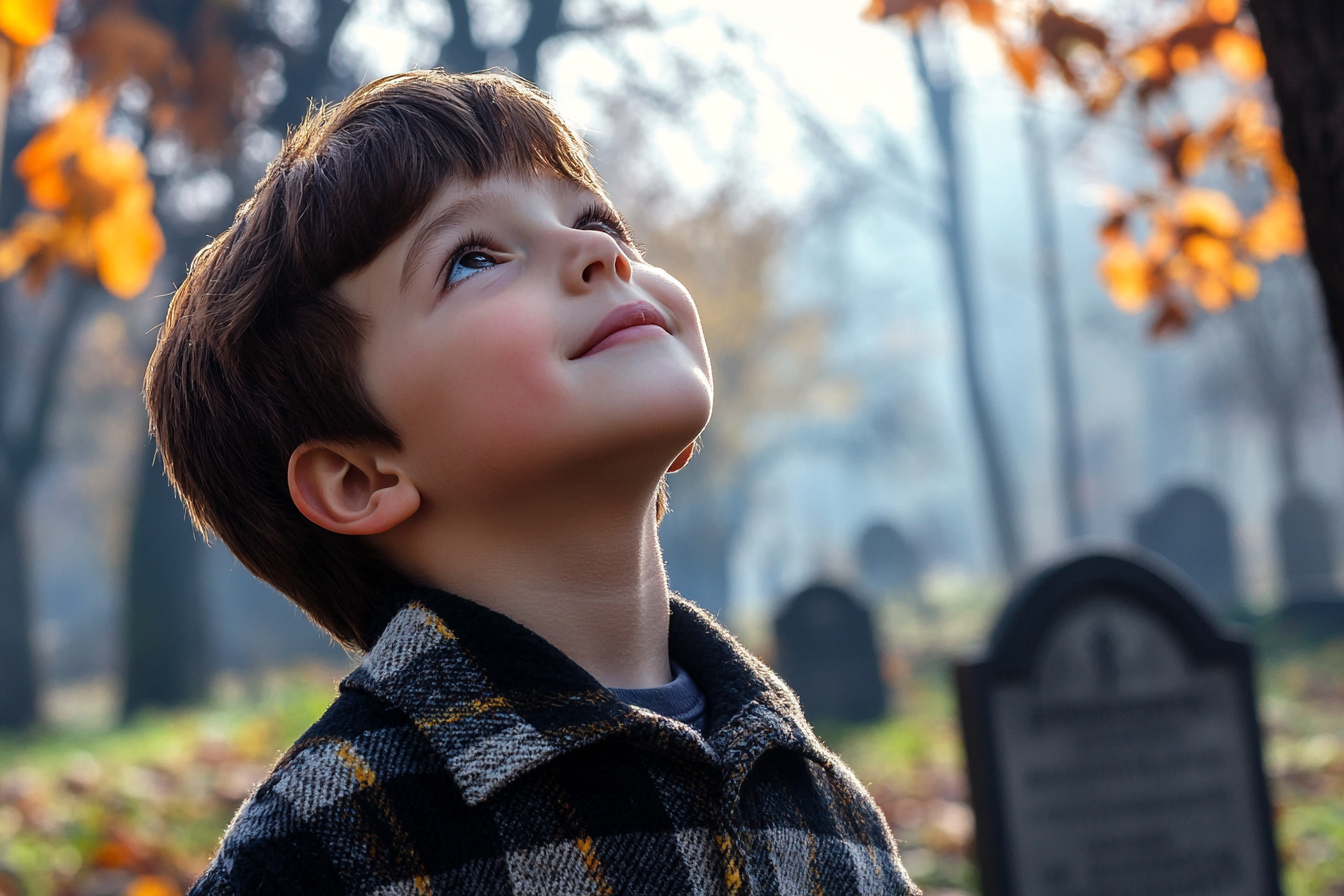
(597, 256)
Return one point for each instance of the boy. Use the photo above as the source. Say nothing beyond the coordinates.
(427, 387)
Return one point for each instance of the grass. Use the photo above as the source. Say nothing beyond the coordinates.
(139, 808)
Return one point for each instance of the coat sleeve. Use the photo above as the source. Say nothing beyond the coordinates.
(321, 824)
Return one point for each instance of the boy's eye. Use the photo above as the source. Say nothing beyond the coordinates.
(468, 263)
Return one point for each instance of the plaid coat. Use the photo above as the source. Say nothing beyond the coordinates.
(466, 755)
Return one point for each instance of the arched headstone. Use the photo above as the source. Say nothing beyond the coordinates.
(888, 562)
(1112, 742)
(1306, 548)
(1189, 526)
(1313, 606)
(826, 650)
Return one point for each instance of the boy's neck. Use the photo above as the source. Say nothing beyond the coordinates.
(591, 583)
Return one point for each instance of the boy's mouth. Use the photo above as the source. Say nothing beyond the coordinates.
(624, 324)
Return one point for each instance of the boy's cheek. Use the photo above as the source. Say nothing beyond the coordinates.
(504, 380)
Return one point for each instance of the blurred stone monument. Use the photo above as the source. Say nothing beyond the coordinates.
(1306, 547)
(826, 650)
(888, 563)
(1112, 742)
(1189, 526)
(1312, 602)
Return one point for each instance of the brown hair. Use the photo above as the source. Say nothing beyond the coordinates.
(258, 355)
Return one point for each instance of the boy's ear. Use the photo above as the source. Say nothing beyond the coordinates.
(684, 457)
(350, 489)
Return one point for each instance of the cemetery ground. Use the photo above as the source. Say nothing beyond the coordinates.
(89, 809)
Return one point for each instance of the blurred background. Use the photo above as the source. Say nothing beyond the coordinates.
(983, 281)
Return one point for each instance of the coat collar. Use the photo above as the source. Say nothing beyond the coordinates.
(497, 701)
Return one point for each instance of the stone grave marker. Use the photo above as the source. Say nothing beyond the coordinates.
(1112, 742)
(1306, 549)
(1189, 526)
(826, 650)
(1312, 604)
(888, 562)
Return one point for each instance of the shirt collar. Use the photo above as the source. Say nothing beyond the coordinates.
(497, 700)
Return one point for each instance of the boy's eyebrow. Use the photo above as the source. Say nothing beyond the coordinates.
(451, 217)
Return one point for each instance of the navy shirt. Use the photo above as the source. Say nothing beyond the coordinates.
(680, 699)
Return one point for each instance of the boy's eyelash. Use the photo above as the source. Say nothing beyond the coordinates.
(598, 213)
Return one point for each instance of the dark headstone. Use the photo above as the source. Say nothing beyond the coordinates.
(1314, 618)
(1112, 742)
(888, 562)
(826, 651)
(1306, 548)
(1190, 527)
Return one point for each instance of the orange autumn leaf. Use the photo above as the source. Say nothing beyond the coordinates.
(1240, 55)
(1276, 230)
(112, 163)
(1209, 210)
(80, 126)
(983, 13)
(1125, 271)
(28, 22)
(152, 885)
(100, 189)
(1208, 252)
(1245, 280)
(1222, 11)
(887, 9)
(1212, 293)
(1184, 58)
(1147, 63)
(49, 189)
(31, 234)
(113, 854)
(127, 242)
(1026, 62)
(1114, 227)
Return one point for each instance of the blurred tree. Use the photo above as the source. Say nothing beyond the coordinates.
(936, 74)
(22, 26)
(1304, 45)
(1197, 244)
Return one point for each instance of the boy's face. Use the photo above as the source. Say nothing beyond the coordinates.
(517, 338)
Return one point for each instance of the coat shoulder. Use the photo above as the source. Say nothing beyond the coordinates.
(334, 795)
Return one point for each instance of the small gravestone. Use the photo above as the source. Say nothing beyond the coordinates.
(826, 651)
(1306, 548)
(1190, 527)
(888, 562)
(1112, 742)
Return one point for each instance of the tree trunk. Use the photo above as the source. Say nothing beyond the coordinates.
(941, 90)
(18, 685)
(1304, 49)
(165, 635)
(460, 53)
(543, 23)
(1056, 322)
(1277, 391)
(20, 456)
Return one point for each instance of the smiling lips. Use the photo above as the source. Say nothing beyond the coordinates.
(637, 320)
